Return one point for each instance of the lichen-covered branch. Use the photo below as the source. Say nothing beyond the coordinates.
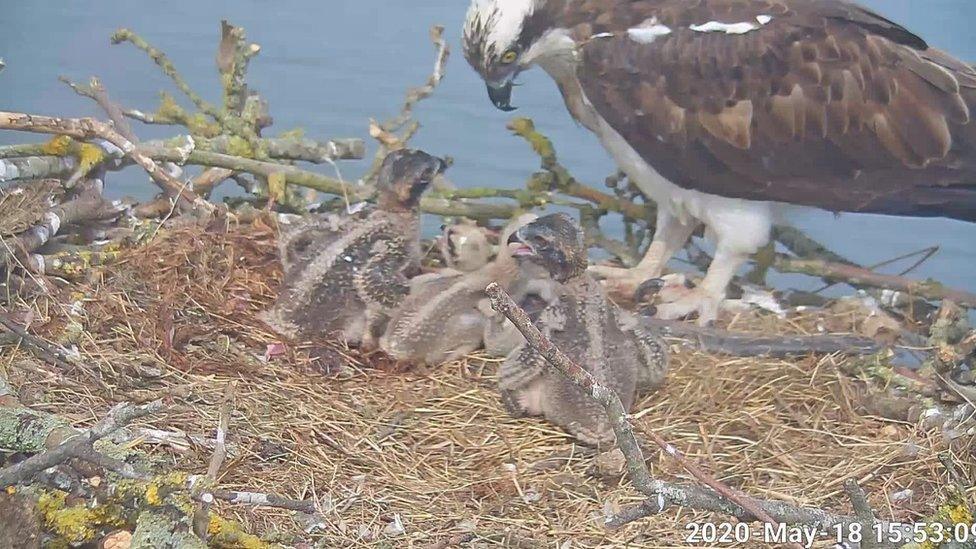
(87, 128)
(118, 417)
(562, 181)
(36, 167)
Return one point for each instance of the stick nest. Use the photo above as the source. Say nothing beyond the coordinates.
(403, 456)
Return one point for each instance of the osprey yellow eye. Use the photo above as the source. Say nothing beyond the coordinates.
(509, 57)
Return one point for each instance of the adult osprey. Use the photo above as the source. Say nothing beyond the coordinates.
(722, 110)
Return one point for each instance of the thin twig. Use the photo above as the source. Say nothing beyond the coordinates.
(223, 424)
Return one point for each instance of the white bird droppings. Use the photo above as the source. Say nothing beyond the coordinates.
(648, 31)
(763, 19)
(727, 28)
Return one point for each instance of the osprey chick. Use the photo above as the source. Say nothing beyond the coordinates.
(585, 325)
(347, 273)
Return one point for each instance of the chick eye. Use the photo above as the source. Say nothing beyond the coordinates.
(509, 57)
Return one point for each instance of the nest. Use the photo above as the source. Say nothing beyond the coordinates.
(403, 456)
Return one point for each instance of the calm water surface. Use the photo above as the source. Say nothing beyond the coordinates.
(328, 66)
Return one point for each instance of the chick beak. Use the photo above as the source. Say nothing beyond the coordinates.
(501, 96)
(518, 248)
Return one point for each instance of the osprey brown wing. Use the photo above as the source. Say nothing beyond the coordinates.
(822, 103)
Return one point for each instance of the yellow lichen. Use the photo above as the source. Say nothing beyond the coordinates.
(11, 490)
(152, 494)
(276, 186)
(58, 146)
(199, 124)
(959, 514)
(294, 133)
(160, 488)
(77, 523)
(231, 535)
(238, 146)
(89, 156)
(168, 108)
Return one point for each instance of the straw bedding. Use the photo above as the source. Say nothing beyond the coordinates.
(402, 456)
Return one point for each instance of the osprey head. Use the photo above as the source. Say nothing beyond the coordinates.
(404, 175)
(498, 40)
(555, 242)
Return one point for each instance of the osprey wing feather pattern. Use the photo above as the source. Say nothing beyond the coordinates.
(721, 110)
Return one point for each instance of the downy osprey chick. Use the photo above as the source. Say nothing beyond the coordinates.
(446, 314)
(584, 324)
(464, 247)
(346, 274)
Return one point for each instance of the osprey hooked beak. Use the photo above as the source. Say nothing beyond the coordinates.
(501, 95)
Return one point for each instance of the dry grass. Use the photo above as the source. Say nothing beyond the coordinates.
(433, 446)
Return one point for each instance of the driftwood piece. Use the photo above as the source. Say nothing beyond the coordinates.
(712, 340)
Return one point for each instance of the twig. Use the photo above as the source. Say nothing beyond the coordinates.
(659, 493)
(415, 95)
(81, 209)
(231, 123)
(94, 90)
(385, 133)
(223, 424)
(125, 470)
(201, 518)
(118, 417)
(859, 501)
(41, 348)
(87, 128)
(252, 498)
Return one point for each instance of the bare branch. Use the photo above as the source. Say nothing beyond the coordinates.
(858, 276)
(94, 90)
(712, 340)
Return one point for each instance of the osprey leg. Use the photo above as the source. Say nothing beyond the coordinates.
(670, 236)
(705, 298)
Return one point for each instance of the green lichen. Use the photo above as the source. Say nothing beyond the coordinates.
(238, 146)
(294, 133)
(24, 430)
